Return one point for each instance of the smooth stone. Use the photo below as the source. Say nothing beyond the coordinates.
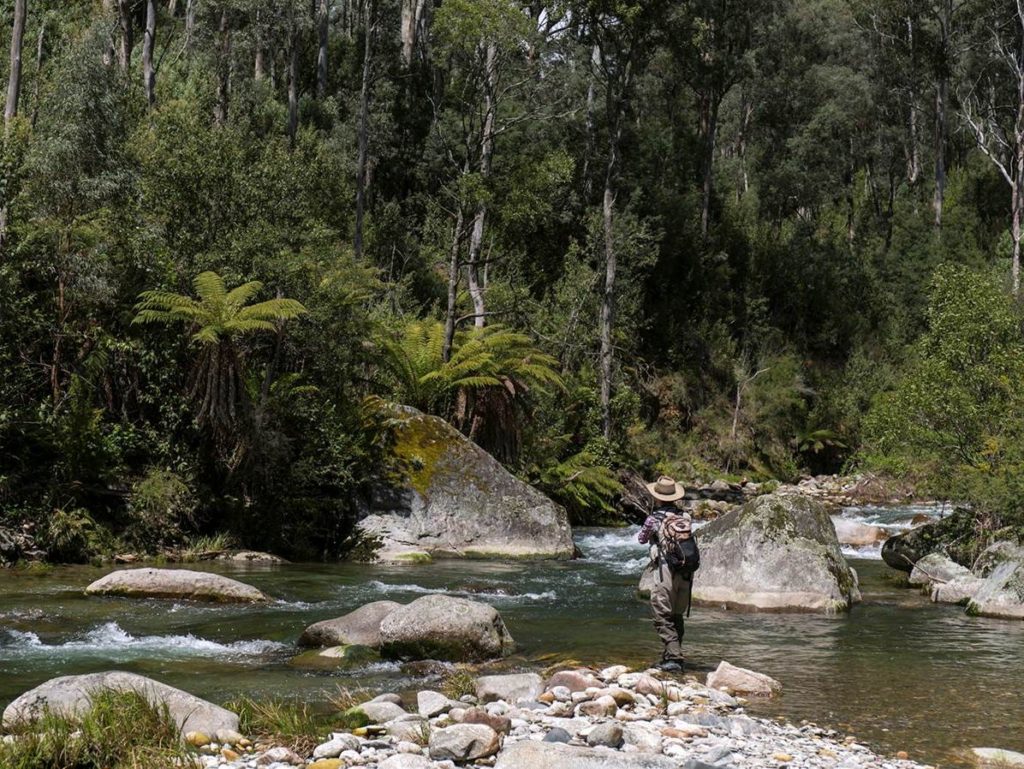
(612, 673)
(552, 755)
(327, 763)
(557, 735)
(936, 567)
(184, 584)
(509, 688)
(958, 591)
(642, 736)
(1001, 595)
(443, 627)
(573, 680)
(463, 742)
(602, 706)
(431, 703)
(229, 737)
(279, 755)
(997, 757)
(72, 696)
(381, 712)
(742, 681)
(357, 628)
(608, 735)
(336, 746)
(391, 697)
(406, 761)
(498, 722)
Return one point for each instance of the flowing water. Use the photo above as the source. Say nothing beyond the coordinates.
(897, 671)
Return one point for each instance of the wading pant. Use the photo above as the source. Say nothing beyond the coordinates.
(669, 598)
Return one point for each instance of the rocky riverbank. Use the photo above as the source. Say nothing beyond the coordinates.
(575, 719)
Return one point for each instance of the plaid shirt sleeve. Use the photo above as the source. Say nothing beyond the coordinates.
(647, 530)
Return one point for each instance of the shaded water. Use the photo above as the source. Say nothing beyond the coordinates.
(898, 671)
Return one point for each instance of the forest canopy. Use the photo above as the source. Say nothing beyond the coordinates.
(708, 238)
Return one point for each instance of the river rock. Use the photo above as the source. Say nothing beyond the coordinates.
(936, 568)
(742, 681)
(856, 533)
(902, 551)
(457, 502)
(431, 703)
(336, 658)
(251, 556)
(360, 627)
(178, 584)
(405, 761)
(1002, 593)
(463, 742)
(957, 591)
(776, 553)
(509, 688)
(442, 627)
(381, 712)
(997, 757)
(608, 734)
(72, 696)
(499, 723)
(573, 680)
(995, 554)
(553, 755)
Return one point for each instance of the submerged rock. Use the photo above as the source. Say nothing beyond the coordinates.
(360, 627)
(176, 583)
(72, 696)
(340, 657)
(457, 502)
(776, 553)
(442, 627)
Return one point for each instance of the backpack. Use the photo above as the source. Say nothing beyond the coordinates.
(681, 554)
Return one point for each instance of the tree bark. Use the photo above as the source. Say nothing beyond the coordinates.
(148, 73)
(124, 16)
(945, 20)
(363, 137)
(608, 296)
(412, 18)
(476, 286)
(39, 68)
(708, 108)
(913, 154)
(220, 109)
(454, 268)
(172, 7)
(323, 13)
(108, 52)
(14, 74)
(293, 83)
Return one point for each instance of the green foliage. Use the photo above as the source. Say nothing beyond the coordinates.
(298, 725)
(162, 505)
(121, 730)
(584, 486)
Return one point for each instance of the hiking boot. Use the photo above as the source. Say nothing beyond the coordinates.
(671, 666)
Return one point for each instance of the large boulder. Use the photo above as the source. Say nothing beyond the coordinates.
(360, 627)
(553, 755)
(176, 583)
(776, 553)
(456, 501)
(442, 627)
(947, 535)
(1002, 593)
(936, 568)
(72, 696)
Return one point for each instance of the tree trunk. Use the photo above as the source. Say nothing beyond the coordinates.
(453, 288)
(746, 113)
(148, 73)
(363, 137)
(220, 109)
(39, 69)
(412, 18)
(172, 7)
(708, 107)
(190, 22)
(259, 70)
(1015, 228)
(323, 12)
(14, 74)
(108, 52)
(608, 299)
(293, 84)
(913, 155)
(476, 287)
(941, 132)
(124, 17)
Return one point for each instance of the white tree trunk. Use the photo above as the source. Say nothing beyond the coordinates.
(148, 73)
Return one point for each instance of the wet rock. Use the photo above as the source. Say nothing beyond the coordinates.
(250, 556)
(457, 501)
(742, 681)
(336, 658)
(463, 742)
(551, 755)
(72, 696)
(510, 688)
(360, 627)
(776, 553)
(183, 584)
(997, 757)
(445, 628)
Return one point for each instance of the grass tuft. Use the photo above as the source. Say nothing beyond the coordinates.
(298, 725)
(121, 730)
(457, 683)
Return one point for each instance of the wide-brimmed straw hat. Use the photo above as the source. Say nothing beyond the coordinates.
(666, 489)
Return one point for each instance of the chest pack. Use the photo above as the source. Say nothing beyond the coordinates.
(677, 545)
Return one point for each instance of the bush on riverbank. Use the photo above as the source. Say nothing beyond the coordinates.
(121, 730)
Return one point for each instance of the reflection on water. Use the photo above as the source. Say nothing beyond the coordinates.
(899, 672)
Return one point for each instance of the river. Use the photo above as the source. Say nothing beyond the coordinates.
(898, 672)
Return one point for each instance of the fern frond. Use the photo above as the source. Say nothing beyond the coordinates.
(240, 295)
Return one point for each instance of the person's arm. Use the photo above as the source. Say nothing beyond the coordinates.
(647, 530)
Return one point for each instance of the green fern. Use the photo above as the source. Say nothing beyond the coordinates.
(584, 486)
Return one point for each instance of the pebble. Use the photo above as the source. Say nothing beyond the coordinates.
(615, 710)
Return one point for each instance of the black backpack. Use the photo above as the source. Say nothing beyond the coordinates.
(680, 552)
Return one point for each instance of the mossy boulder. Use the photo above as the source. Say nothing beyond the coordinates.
(1002, 592)
(442, 627)
(455, 501)
(776, 553)
(953, 536)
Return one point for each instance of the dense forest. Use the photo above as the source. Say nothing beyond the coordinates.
(706, 237)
